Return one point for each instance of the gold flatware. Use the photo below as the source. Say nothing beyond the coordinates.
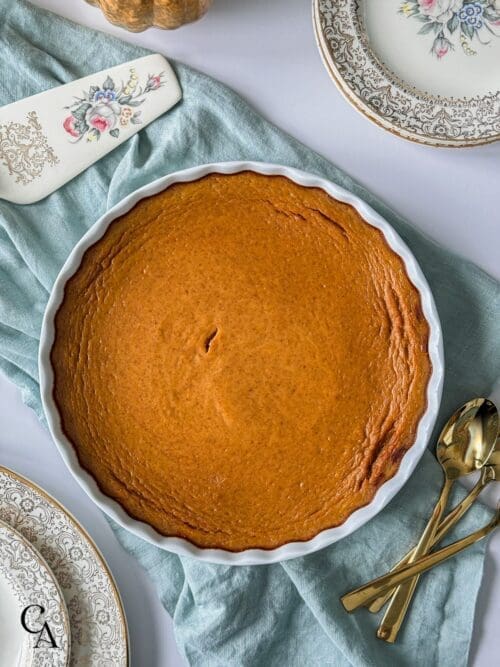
(365, 594)
(464, 445)
(490, 473)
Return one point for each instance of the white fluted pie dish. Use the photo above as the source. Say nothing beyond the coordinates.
(292, 549)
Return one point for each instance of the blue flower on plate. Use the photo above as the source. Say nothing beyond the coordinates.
(472, 14)
(105, 96)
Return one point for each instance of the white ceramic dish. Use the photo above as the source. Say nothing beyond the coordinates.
(28, 586)
(290, 550)
(426, 71)
(99, 635)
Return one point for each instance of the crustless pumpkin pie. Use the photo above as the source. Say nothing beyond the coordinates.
(241, 361)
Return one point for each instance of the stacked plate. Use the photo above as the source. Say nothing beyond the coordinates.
(426, 71)
(59, 604)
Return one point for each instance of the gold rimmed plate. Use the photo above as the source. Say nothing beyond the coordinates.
(426, 70)
(99, 634)
(34, 619)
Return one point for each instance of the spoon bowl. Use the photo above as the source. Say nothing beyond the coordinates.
(468, 438)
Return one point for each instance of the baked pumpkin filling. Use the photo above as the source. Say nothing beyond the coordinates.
(241, 361)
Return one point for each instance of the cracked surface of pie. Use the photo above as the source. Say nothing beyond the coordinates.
(241, 361)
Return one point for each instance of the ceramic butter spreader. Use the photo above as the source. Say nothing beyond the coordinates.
(49, 138)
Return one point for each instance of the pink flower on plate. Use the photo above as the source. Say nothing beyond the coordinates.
(100, 123)
(103, 116)
(440, 10)
(426, 5)
(441, 47)
(69, 126)
(155, 82)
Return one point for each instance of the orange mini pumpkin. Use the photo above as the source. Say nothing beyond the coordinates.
(137, 15)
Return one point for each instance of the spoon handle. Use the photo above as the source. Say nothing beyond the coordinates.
(446, 525)
(365, 594)
(362, 595)
(396, 611)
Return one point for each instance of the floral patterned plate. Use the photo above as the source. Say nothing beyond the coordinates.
(426, 70)
(99, 636)
(31, 606)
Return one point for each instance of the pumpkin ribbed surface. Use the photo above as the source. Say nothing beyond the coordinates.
(137, 15)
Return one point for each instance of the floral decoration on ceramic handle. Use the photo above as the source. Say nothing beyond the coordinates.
(107, 108)
(454, 22)
(51, 137)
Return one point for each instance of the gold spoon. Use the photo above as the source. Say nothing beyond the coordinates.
(490, 473)
(464, 445)
(371, 591)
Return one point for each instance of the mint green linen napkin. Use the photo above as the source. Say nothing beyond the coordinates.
(286, 614)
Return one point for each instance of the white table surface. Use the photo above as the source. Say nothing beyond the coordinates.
(266, 51)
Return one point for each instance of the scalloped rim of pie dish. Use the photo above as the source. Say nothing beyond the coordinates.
(326, 537)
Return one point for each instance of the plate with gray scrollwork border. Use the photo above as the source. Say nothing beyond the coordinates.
(98, 628)
(426, 70)
(34, 621)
